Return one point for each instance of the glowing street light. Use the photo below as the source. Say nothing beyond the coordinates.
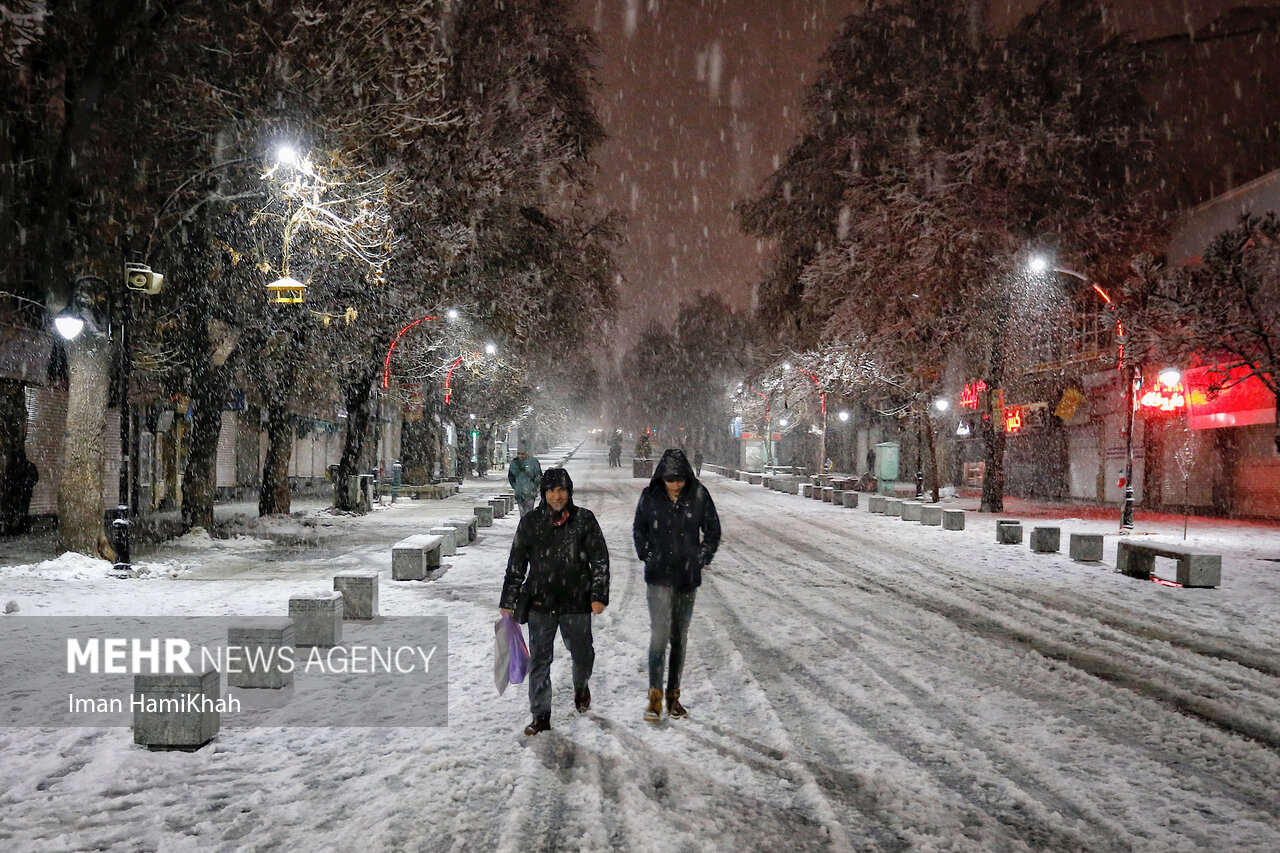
(1170, 376)
(490, 349)
(843, 416)
(68, 327)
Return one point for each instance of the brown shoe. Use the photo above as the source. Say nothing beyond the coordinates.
(654, 709)
(582, 699)
(539, 724)
(674, 708)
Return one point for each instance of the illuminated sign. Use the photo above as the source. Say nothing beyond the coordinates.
(1164, 398)
(1013, 419)
(969, 396)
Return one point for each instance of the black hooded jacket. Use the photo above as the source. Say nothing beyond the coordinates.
(675, 538)
(560, 568)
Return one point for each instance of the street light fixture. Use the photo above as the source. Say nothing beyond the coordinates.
(1038, 264)
(68, 326)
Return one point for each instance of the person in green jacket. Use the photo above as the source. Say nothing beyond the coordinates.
(524, 474)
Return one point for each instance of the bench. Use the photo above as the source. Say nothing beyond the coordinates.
(414, 557)
(1195, 568)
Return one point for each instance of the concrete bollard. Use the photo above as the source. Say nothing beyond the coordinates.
(953, 519)
(829, 494)
(1085, 547)
(499, 506)
(359, 594)
(911, 510)
(1008, 532)
(875, 503)
(849, 498)
(317, 618)
(260, 664)
(448, 544)
(469, 524)
(893, 507)
(484, 516)
(1045, 540)
(931, 515)
(176, 711)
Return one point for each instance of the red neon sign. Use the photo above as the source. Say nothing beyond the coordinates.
(969, 396)
(1013, 419)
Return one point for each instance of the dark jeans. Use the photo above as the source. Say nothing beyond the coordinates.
(575, 630)
(669, 615)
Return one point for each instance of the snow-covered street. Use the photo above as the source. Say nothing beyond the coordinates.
(855, 682)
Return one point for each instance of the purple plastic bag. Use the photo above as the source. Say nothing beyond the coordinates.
(519, 661)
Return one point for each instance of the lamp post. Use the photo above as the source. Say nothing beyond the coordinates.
(70, 323)
(1129, 375)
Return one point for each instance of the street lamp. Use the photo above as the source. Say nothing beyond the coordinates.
(1129, 374)
(80, 316)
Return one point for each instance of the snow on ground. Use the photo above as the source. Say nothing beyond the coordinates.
(855, 682)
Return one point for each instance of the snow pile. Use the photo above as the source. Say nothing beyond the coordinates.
(68, 566)
(199, 539)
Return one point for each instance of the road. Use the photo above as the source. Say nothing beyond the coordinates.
(855, 682)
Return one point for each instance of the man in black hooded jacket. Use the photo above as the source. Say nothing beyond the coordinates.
(559, 569)
(676, 532)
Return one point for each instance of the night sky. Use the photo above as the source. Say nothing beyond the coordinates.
(701, 102)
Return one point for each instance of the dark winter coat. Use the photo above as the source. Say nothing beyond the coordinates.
(558, 568)
(524, 475)
(675, 539)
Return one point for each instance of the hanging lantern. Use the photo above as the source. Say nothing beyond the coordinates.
(287, 290)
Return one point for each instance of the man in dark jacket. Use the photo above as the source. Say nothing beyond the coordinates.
(559, 568)
(676, 533)
(524, 473)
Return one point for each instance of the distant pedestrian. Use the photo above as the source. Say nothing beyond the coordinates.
(697, 461)
(524, 473)
(676, 533)
(559, 572)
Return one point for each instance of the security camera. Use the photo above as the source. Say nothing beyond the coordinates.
(140, 277)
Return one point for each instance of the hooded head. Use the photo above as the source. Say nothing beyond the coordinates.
(673, 465)
(553, 478)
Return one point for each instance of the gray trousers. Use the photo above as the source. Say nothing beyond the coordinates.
(669, 615)
(525, 504)
(575, 630)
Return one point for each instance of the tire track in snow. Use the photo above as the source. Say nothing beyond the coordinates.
(1031, 819)
(1256, 797)
(973, 610)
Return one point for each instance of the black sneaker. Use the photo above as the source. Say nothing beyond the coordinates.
(582, 699)
(539, 724)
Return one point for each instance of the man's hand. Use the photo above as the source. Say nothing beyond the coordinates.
(597, 608)
(506, 612)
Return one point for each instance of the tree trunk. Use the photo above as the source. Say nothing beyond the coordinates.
(993, 437)
(273, 499)
(199, 479)
(80, 506)
(359, 405)
(931, 438)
